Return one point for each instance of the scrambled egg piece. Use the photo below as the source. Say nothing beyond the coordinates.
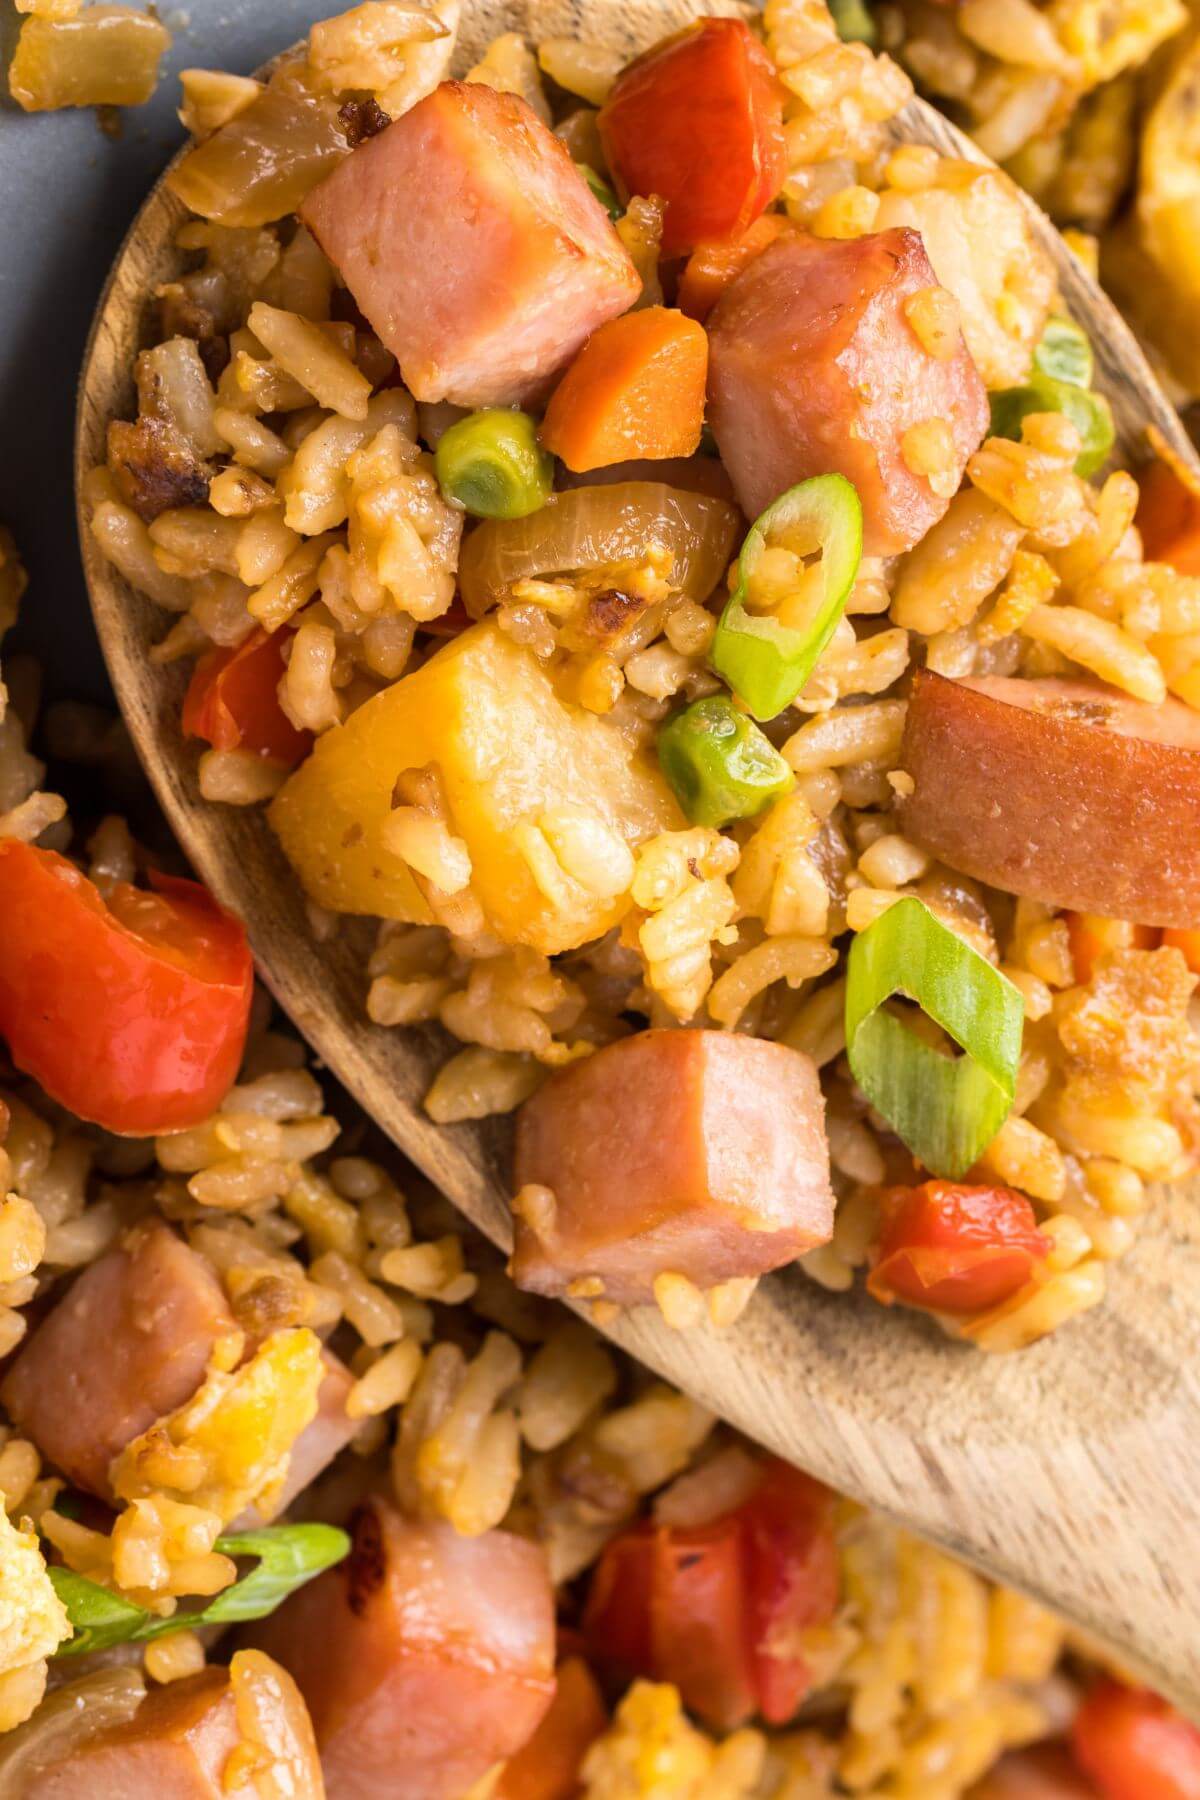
(652, 1752)
(228, 1447)
(33, 1623)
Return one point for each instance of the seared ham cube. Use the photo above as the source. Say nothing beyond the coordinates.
(815, 366)
(425, 1658)
(129, 1341)
(694, 1153)
(473, 245)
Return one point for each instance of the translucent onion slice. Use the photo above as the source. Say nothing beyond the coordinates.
(68, 1717)
(592, 526)
(261, 165)
(947, 1110)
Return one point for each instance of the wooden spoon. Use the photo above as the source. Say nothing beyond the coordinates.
(1071, 1469)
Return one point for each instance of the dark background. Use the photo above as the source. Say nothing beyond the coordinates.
(68, 193)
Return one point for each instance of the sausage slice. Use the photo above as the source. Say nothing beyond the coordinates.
(1065, 791)
(130, 1340)
(472, 244)
(698, 1153)
(814, 367)
(425, 1653)
(177, 1744)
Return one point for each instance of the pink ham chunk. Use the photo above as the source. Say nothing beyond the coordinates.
(472, 244)
(130, 1340)
(814, 367)
(695, 1153)
(425, 1658)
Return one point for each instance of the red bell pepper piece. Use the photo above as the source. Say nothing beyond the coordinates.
(699, 121)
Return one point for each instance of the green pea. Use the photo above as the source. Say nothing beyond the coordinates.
(1089, 413)
(601, 190)
(854, 21)
(719, 763)
(493, 465)
(1064, 353)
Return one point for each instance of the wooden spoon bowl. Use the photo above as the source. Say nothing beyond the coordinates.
(1070, 1469)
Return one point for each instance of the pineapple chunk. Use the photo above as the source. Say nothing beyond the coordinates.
(509, 749)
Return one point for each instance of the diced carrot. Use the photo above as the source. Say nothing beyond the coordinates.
(636, 389)
(1091, 935)
(548, 1767)
(1168, 517)
(713, 265)
(1189, 942)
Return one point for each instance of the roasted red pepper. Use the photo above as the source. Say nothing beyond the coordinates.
(131, 1009)
(699, 121)
(1135, 1746)
(716, 1608)
(232, 701)
(952, 1248)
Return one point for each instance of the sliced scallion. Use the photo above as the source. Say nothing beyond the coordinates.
(764, 661)
(288, 1556)
(946, 1110)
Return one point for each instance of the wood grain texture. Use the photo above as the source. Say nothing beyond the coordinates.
(1070, 1470)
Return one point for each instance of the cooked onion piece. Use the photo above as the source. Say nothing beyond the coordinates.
(593, 526)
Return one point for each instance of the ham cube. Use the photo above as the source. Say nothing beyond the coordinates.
(471, 242)
(814, 366)
(425, 1658)
(696, 1153)
(178, 1742)
(130, 1340)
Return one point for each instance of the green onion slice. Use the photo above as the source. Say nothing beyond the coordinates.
(288, 1556)
(766, 663)
(1064, 353)
(947, 1110)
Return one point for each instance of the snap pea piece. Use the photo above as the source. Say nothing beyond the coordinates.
(1089, 413)
(721, 766)
(492, 464)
